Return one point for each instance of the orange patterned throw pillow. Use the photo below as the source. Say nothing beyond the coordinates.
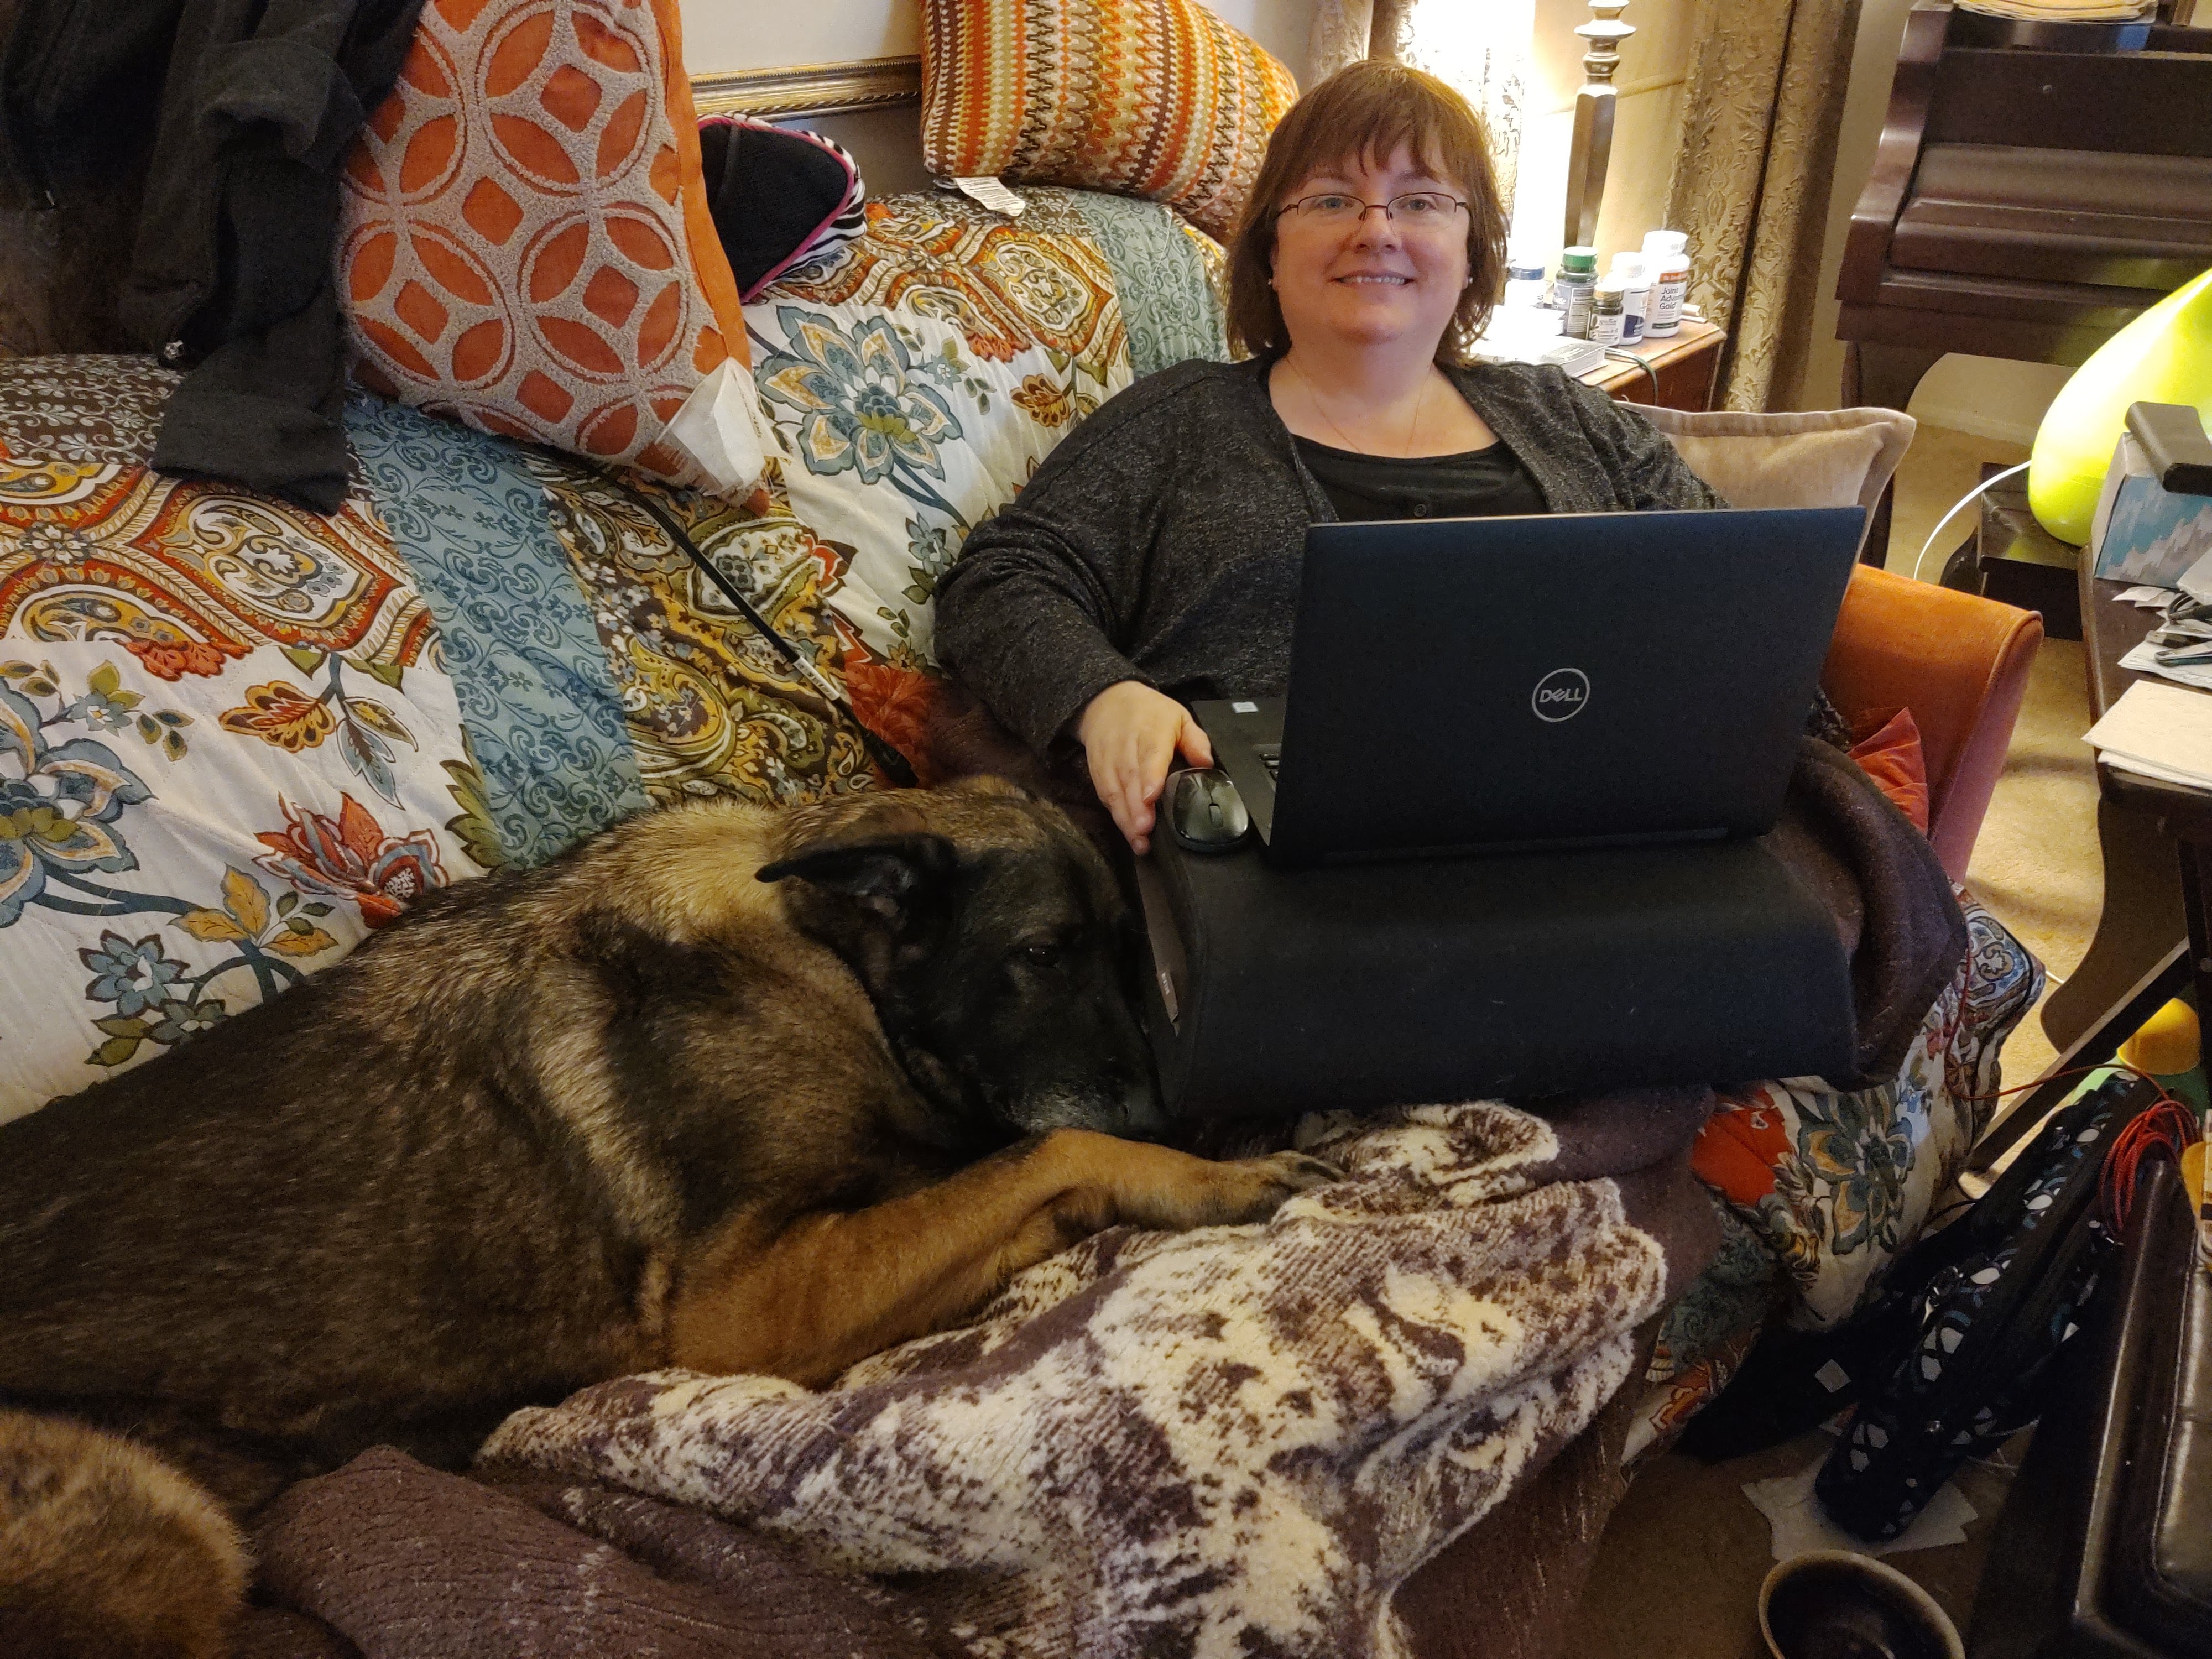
(526, 244)
(1152, 98)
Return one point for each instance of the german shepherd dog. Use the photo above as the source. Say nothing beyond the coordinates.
(724, 1088)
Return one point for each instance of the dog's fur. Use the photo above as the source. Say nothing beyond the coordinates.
(724, 1087)
(106, 1550)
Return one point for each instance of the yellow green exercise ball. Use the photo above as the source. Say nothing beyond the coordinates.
(2164, 356)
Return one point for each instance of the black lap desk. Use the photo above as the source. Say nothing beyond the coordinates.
(1517, 975)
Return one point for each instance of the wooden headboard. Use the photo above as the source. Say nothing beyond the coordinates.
(774, 94)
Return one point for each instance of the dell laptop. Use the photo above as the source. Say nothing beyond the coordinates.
(1584, 679)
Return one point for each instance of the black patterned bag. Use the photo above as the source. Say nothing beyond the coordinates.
(1991, 1300)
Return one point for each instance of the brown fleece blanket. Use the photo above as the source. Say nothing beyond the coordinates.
(1895, 903)
(1229, 1441)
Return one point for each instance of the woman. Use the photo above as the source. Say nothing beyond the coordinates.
(1154, 558)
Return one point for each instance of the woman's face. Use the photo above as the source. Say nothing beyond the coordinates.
(1377, 279)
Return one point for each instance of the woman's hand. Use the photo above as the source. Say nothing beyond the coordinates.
(1130, 733)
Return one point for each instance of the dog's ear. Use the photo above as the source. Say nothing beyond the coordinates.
(887, 877)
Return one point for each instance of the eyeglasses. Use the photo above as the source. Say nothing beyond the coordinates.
(1420, 207)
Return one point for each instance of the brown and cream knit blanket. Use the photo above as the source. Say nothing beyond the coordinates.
(1230, 1441)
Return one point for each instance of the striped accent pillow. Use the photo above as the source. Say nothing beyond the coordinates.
(1158, 98)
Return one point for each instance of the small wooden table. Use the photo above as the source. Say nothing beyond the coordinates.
(1681, 369)
(2153, 936)
(2157, 843)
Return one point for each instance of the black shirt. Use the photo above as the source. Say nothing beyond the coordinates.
(1476, 483)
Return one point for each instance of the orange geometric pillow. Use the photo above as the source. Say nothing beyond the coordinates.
(1152, 98)
(527, 245)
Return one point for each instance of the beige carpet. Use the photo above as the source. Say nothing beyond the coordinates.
(1679, 1569)
(2036, 864)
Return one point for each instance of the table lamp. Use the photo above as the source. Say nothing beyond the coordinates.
(2164, 356)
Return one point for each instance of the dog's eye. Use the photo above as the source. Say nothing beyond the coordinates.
(1043, 956)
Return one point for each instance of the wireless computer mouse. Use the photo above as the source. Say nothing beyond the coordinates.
(1204, 813)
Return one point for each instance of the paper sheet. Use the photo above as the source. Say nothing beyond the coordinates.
(2147, 598)
(1800, 1524)
(2143, 660)
(2158, 774)
(2161, 727)
(2053, 11)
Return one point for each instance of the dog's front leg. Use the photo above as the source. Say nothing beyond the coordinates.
(829, 1289)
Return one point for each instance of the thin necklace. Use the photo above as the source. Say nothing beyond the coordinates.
(1313, 396)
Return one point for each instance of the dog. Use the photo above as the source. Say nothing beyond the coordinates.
(728, 1088)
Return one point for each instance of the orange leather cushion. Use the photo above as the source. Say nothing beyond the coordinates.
(526, 244)
(1888, 751)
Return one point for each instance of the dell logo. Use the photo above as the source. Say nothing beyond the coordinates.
(1560, 695)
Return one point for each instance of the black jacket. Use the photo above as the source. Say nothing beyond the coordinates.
(231, 274)
(1161, 541)
(79, 86)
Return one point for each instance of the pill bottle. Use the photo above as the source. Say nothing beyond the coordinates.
(1524, 282)
(1608, 307)
(1666, 256)
(1570, 290)
(1636, 294)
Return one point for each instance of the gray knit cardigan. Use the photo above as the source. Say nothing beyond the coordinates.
(1161, 541)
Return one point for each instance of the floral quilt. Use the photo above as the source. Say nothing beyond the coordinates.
(235, 735)
(914, 386)
(227, 745)
(1821, 1189)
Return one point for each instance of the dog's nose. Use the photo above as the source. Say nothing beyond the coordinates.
(1143, 1116)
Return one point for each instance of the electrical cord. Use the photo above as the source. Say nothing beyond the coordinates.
(1648, 373)
(888, 760)
(1994, 477)
(2165, 1128)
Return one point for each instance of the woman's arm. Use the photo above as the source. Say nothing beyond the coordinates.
(1025, 634)
(1035, 615)
(1027, 619)
(1647, 471)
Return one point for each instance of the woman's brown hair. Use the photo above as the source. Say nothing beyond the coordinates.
(1369, 109)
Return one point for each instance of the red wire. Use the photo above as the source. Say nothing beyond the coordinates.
(2163, 1129)
(2078, 1071)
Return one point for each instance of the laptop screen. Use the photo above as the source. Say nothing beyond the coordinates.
(1586, 677)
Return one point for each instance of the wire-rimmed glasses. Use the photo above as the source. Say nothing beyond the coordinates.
(1418, 208)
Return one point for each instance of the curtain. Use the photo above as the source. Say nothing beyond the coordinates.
(1761, 107)
(1478, 47)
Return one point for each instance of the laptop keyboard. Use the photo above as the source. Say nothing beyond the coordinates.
(1270, 757)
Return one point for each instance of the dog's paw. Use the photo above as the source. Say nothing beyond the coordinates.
(1253, 1189)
